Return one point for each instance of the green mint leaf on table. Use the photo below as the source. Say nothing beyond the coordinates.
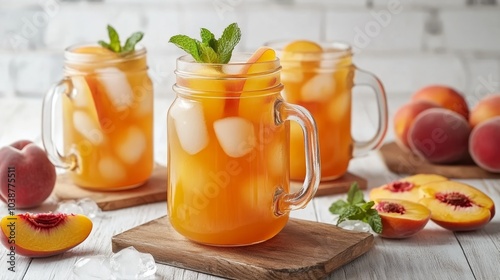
(114, 41)
(210, 50)
(356, 208)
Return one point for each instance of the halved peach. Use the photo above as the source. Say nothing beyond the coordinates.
(457, 206)
(405, 188)
(401, 218)
(44, 234)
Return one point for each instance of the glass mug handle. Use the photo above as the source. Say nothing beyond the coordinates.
(65, 86)
(285, 202)
(362, 77)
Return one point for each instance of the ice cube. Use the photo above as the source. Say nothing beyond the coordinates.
(236, 136)
(117, 86)
(132, 264)
(89, 207)
(339, 106)
(96, 267)
(111, 169)
(190, 126)
(87, 127)
(69, 207)
(82, 94)
(318, 88)
(355, 225)
(132, 146)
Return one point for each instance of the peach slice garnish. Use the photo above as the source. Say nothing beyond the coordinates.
(405, 188)
(401, 218)
(253, 66)
(457, 206)
(44, 234)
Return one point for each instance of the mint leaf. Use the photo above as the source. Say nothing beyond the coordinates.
(207, 54)
(114, 39)
(114, 44)
(132, 41)
(187, 44)
(338, 207)
(229, 39)
(355, 195)
(208, 39)
(356, 208)
(374, 221)
(210, 50)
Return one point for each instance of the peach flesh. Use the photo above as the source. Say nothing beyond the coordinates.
(44, 234)
(457, 206)
(401, 218)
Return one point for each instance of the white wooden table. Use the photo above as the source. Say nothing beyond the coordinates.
(434, 253)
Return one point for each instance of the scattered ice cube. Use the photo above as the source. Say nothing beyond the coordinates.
(355, 225)
(82, 98)
(132, 264)
(132, 146)
(111, 169)
(236, 136)
(69, 207)
(89, 207)
(96, 267)
(117, 86)
(87, 127)
(190, 126)
(318, 88)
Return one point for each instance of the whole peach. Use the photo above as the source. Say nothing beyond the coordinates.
(440, 136)
(405, 116)
(485, 109)
(445, 97)
(27, 177)
(484, 144)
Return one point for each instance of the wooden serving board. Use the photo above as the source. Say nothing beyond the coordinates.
(302, 250)
(340, 185)
(154, 190)
(404, 162)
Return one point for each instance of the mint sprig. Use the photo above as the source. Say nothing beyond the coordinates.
(209, 49)
(115, 44)
(356, 208)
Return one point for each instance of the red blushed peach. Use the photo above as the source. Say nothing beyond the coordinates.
(405, 188)
(439, 136)
(484, 145)
(401, 218)
(445, 97)
(27, 177)
(44, 234)
(486, 108)
(457, 206)
(405, 116)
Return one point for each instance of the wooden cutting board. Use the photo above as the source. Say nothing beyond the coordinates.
(302, 250)
(154, 190)
(340, 185)
(405, 162)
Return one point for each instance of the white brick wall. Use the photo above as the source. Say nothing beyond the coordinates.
(407, 43)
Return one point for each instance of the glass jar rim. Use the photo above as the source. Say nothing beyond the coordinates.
(332, 49)
(82, 58)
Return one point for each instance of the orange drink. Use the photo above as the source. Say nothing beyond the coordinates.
(107, 101)
(320, 77)
(228, 151)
